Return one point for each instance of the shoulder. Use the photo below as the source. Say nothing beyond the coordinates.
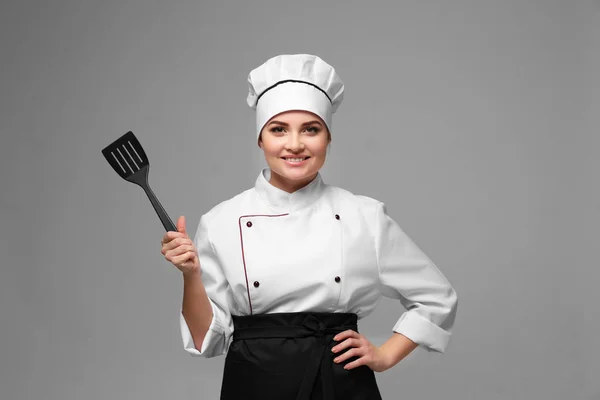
(229, 206)
(355, 202)
(356, 199)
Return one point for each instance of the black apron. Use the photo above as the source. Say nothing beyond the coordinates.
(287, 356)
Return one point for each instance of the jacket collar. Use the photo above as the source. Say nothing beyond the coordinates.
(284, 201)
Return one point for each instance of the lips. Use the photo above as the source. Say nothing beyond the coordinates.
(295, 163)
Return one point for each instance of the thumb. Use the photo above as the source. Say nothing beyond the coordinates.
(181, 225)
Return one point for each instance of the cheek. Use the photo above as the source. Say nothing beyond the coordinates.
(271, 149)
(319, 148)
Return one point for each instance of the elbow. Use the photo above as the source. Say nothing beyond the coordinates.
(449, 310)
(449, 300)
(453, 300)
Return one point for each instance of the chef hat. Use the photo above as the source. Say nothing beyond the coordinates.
(294, 82)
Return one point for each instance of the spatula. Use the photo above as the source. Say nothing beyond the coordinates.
(128, 159)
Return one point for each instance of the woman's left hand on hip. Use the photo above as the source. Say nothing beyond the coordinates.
(369, 354)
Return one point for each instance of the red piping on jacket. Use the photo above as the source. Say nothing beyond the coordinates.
(242, 244)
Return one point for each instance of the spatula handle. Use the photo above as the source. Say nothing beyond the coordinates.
(162, 214)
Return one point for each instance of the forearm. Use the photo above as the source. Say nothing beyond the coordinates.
(396, 348)
(196, 308)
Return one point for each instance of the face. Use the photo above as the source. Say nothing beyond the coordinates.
(294, 134)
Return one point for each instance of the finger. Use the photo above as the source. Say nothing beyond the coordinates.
(172, 235)
(342, 335)
(355, 363)
(350, 342)
(188, 256)
(176, 243)
(167, 237)
(179, 250)
(181, 224)
(353, 352)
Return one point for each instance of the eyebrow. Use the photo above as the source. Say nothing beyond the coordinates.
(304, 124)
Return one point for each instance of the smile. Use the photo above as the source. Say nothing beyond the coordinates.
(295, 161)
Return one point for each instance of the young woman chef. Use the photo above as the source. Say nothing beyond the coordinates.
(277, 276)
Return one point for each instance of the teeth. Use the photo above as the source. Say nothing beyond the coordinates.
(295, 159)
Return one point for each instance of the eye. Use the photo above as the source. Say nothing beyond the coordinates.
(313, 129)
(277, 129)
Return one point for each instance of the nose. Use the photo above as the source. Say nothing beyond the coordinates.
(295, 143)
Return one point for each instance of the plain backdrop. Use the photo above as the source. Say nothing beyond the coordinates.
(476, 122)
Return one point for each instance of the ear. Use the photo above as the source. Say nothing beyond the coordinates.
(260, 143)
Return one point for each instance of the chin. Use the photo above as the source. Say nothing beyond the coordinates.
(294, 174)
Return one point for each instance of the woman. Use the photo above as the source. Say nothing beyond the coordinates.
(278, 276)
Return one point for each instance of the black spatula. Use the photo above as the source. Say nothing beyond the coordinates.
(128, 159)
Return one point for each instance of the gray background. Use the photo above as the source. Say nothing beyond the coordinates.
(475, 121)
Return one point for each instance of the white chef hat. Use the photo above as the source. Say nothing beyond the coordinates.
(294, 82)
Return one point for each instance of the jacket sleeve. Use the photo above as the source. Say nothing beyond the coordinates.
(217, 339)
(408, 275)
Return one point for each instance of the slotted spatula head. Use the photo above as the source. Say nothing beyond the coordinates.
(127, 157)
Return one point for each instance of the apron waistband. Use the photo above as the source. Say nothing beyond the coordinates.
(292, 325)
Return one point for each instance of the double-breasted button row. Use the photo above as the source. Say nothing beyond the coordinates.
(257, 283)
(249, 223)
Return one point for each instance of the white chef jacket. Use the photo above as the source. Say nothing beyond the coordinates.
(321, 249)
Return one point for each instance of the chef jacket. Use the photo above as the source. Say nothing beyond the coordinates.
(322, 249)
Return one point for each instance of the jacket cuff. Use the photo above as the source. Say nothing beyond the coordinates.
(423, 332)
(213, 335)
